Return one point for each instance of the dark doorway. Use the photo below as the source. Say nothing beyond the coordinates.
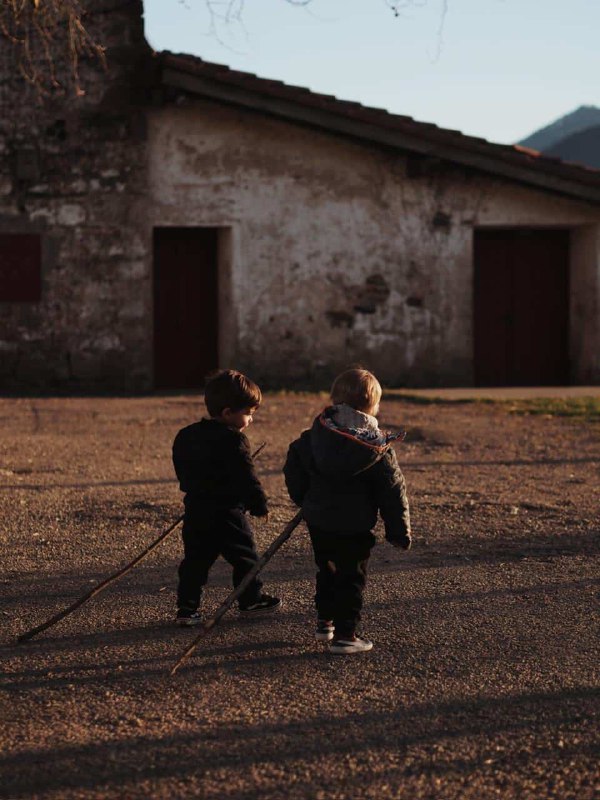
(185, 306)
(521, 307)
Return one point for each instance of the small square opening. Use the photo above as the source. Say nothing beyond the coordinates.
(20, 268)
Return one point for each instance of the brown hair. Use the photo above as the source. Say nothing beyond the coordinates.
(358, 388)
(230, 389)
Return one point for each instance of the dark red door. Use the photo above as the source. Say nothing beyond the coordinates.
(20, 268)
(185, 306)
(521, 307)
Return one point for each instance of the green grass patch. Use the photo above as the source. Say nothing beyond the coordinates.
(584, 408)
(423, 400)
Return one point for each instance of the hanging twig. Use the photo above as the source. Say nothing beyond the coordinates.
(226, 605)
(48, 37)
(111, 579)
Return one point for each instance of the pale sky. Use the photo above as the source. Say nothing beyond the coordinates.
(493, 68)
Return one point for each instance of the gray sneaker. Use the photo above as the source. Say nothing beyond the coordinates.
(348, 646)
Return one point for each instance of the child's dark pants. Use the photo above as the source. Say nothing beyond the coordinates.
(341, 559)
(205, 538)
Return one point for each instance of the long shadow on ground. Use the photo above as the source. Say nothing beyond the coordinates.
(238, 747)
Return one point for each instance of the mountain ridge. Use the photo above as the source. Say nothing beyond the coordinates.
(551, 135)
(582, 147)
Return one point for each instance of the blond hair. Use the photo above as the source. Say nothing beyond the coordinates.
(358, 388)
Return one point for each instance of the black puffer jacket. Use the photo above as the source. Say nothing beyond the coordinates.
(214, 466)
(342, 481)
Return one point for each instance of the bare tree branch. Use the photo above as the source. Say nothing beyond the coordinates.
(42, 32)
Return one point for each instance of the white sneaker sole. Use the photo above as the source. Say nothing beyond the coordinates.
(349, 649)
(324, 637)
(188, 623)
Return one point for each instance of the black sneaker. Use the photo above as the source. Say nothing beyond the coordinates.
(264, 605)
(349, 646)
(186, 619)
(324, 630)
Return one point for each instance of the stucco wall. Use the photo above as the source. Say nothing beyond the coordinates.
(331, 251)
(585, 305)
(337, 254)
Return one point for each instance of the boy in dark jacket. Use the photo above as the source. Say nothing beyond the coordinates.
(214, 466)
(342, 472)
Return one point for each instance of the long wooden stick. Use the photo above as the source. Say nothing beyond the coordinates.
(99, 587)
(226, 605)
(24, 637)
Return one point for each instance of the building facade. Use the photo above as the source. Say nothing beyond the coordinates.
(182, 217)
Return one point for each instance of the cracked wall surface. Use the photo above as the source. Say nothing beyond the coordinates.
(340, 254)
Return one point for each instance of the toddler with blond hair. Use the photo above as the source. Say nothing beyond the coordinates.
(342, 472)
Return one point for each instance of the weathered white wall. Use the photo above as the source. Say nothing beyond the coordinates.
(584, 309)
(322, 228)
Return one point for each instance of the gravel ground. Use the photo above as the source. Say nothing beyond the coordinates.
(483, 681)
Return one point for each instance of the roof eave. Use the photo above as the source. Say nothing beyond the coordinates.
(388, 136)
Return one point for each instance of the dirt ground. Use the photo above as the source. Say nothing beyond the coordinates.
(483, 682)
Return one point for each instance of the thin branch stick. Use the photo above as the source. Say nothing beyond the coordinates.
(226, 605)
(99, 587)
(24, 637)
(258, 450)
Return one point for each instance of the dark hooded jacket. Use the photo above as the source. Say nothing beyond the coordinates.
(214, 466)
(342, 480)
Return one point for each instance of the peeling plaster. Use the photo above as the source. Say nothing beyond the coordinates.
(341, 257)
